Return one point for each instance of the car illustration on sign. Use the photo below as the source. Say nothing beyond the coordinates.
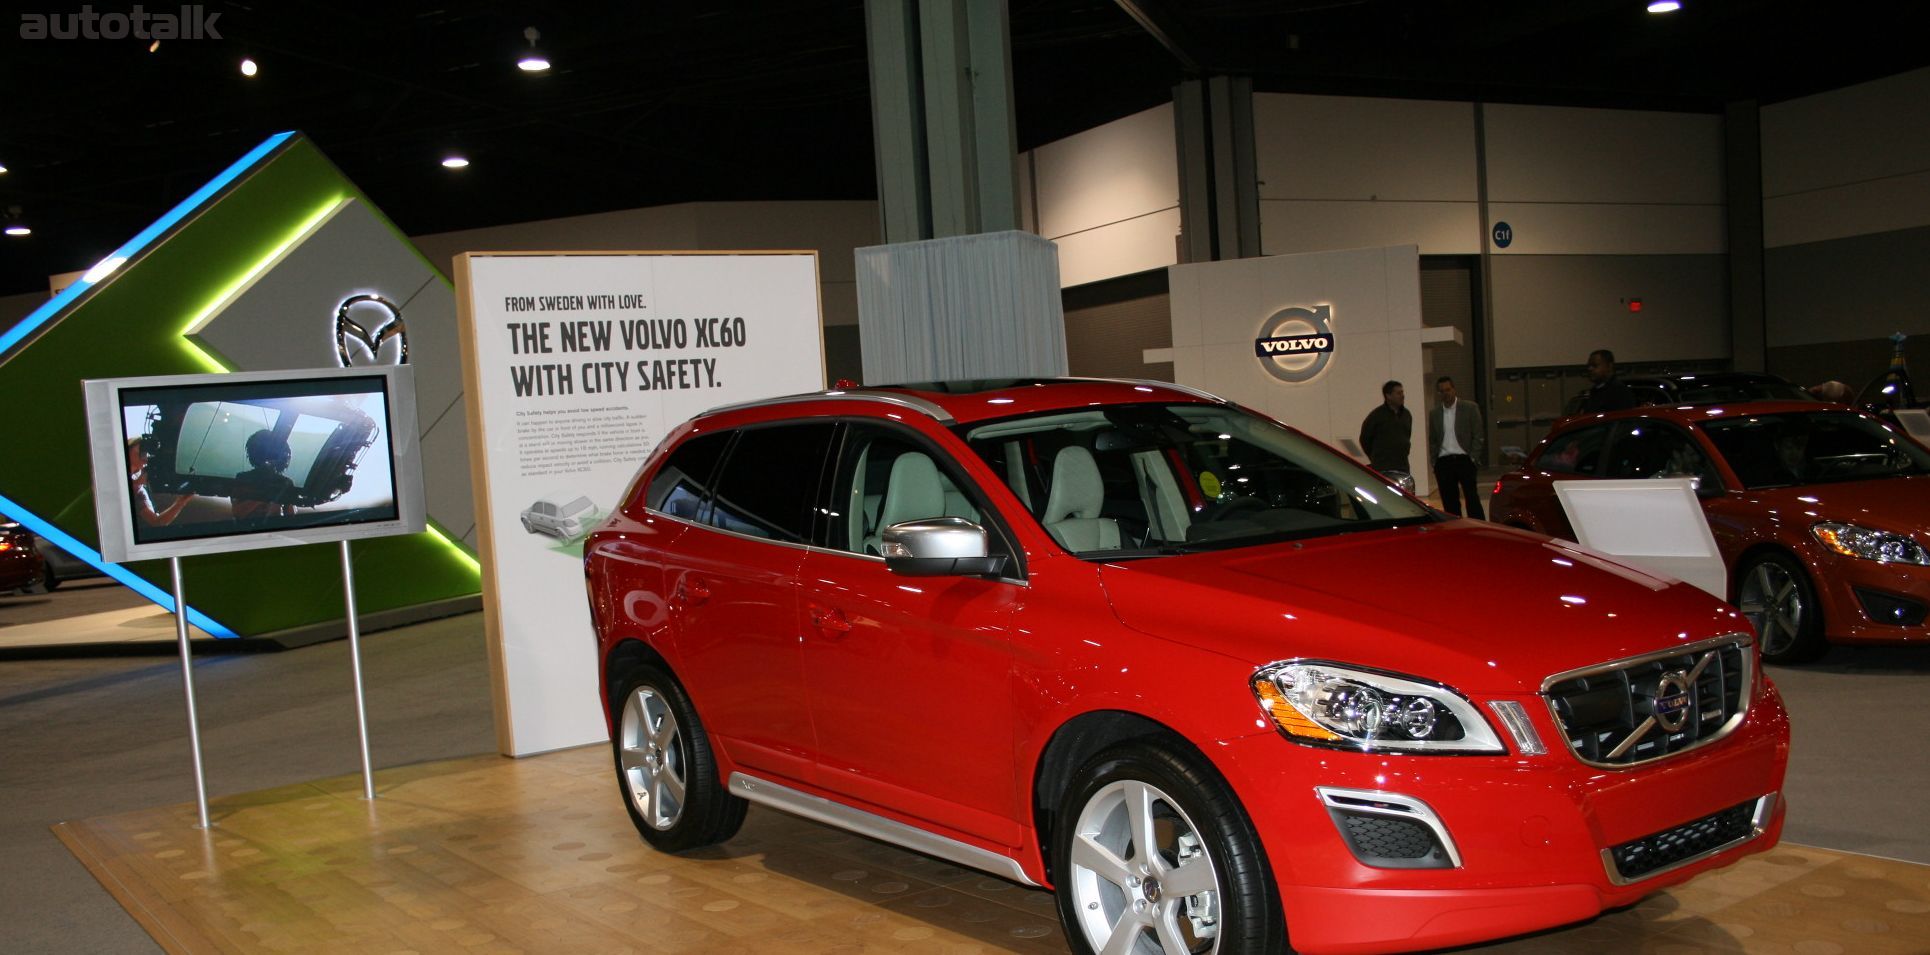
(1209, 680)
(562, 516)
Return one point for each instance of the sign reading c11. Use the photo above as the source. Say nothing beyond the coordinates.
(1296, 343)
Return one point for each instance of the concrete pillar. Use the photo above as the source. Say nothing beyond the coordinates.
(1219, 189)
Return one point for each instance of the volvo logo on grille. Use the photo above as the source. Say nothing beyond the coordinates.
(1295, 344)
(1673, 700)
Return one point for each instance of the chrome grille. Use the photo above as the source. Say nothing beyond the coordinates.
(1648, 707)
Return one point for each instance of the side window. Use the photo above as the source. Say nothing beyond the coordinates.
(1577, 452)
(769, 483)
(682, 484)
(887, 478)
(1645, 448)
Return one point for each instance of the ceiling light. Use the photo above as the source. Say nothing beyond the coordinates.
(3, 167)
(1664, 6)
(249, 67)
(454, 162)
(154, 47)
(16, 225)
(533, 60)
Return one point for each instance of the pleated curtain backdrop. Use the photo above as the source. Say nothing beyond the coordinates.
(971, 306)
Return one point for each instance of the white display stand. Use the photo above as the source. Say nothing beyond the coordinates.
(575, 366)
(1916, 423)
(1656, 524)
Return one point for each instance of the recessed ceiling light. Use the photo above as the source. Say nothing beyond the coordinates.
(1665, 6)
(533, 60)
(454, 162)
(3, 167)
(18, 228)
(249, 67)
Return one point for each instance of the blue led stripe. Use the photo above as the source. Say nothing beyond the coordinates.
(59, 303)
(72, 545)
(141, 240)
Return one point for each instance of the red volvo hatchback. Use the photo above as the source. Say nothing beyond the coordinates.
(1822, 514)
(1219, 687)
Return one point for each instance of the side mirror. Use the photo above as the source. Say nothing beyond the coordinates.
(938, 547)
(1401, 479)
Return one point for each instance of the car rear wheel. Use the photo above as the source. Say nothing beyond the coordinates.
(665, 768)
(1775, 594)
(1155, 856)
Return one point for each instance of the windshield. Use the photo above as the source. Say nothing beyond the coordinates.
(1796, 448)
(1141, 480)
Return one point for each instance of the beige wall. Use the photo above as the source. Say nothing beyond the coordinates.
(1108, 196)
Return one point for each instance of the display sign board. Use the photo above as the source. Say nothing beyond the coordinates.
(1654, 523)
(576, 365)
(202, 464)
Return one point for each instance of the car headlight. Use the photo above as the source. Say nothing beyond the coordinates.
(1326, 704)
(1868, 543)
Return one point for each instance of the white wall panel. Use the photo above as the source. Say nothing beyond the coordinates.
(1859, 133)
(1349, 147)
(1563, 154)
(1862, 208)
(1439, 228)
(1611, 229)
(1121, 248)
(1124, 169)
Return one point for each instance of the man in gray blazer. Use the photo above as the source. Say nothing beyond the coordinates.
(1456, 440)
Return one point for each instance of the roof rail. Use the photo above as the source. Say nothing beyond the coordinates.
(1155, 383)
(912, 402)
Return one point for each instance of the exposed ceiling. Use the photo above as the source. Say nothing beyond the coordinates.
(657, 102)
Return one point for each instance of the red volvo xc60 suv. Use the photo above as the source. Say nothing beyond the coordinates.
(1219, 687)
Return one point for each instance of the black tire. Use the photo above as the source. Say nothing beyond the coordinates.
(668, 780)
(49, 580)
(1775, 593)
(1188, 800)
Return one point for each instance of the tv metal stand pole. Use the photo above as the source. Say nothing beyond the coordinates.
(355, 664)
(187, 685)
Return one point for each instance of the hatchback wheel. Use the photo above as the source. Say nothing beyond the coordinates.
(665, 768)
(1156, 857)
(1775, 594)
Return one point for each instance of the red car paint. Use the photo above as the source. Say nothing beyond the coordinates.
(1747, 522)
(932, 701)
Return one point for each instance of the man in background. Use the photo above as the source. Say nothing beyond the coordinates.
(1608, 393)
(1388, 431)
(1456, 440)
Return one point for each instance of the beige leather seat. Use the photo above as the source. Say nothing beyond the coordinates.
(1072, 506)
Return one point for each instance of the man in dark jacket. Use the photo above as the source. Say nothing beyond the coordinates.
(1388, 431)
(1608, 392)
(1457, 444)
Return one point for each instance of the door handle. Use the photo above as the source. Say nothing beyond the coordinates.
(830, 620)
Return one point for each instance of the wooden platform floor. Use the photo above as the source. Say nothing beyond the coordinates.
(487, 854)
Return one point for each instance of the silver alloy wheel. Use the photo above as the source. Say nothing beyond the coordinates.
(1143, 880)
(652, 756)
(1772, 599)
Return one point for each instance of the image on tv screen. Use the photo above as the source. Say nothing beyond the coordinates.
(223, 459)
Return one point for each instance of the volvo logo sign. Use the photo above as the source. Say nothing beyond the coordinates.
(1295, 344)
(371, 331)
(1673, 701)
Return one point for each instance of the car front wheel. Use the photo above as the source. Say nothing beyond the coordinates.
(1155, 856)
(665, 768)
(1775, 594)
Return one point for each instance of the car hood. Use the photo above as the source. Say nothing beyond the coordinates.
(1899, 504)
(1477, 606)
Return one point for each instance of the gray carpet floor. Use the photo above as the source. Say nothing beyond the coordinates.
(95, 736)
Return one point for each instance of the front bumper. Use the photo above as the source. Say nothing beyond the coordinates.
(1529, 833)
(1847, 616)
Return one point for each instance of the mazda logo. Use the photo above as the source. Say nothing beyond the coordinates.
(371, 336)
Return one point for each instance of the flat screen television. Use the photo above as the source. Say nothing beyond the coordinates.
(198, 464)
